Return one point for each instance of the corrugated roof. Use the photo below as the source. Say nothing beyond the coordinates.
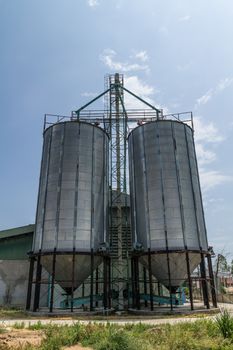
(22, 230)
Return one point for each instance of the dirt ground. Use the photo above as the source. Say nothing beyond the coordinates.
(14, 338)
(20, 337)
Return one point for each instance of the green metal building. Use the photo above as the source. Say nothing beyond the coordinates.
(14, 265)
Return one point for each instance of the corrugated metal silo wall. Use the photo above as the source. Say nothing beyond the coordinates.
(166, 204)
(73, 196)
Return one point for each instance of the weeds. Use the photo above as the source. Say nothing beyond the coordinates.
(58, 336)
(199, 335)
(19, 325)
(37, 326)
(225, 324)
(12, 313)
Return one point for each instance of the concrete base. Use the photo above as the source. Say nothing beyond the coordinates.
(177, 310)
(64, 313)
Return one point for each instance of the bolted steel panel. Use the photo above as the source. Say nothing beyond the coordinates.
(73, 192)
(166, 205)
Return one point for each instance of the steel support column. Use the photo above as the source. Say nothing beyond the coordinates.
(106, 282)
(97, 286)
(189, 280)
(169, 279)
(37, 284)
(92, 280)
(211, 274)
(150, 281)
(109, 283)
(72, 281)
(137, 285)
(204, 281)
(145, 284)
(53, 281)
(133, 283)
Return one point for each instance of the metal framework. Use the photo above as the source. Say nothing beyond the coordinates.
(121, 281)
(118, 183)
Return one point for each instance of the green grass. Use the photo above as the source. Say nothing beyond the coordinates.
(199, 335)
(225, 324)
(12, 313)
(37, 326)
(19, 325)
(203, 334)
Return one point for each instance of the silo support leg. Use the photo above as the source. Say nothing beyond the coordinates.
(30, 280)
(150, 281)
(92, 280)
(37, 285)
(169, 280)
(145, 284)
(211, 274)
(189, 281)
(204, 281)
(97, 286)
(72, 281)
(52, 281)
(137, 283)
(133, 283)
(109, 282)
(106, 287)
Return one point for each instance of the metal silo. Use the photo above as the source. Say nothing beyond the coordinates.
(166, 204)
(71, 220)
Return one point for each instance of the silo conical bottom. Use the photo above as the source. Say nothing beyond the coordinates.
(63, 269)
(178, 267)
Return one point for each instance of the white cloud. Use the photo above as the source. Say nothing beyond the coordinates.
(206, 132)
(184, 18)
(213, 204)
(93, 3)
(204, 156)
(212, 178)
(206, 136)
(215, 200)
(108, 57)
(142, 55)
(139, 88)
(205, 98)
(222, 85)
(143, 90)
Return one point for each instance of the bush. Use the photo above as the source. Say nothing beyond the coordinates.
(19, 325)
(225, 324)
(117, 339)
(37, 326)
(199, 335)
(58, 336)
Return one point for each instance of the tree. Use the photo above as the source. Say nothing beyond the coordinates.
(222, 263)
(231, 267)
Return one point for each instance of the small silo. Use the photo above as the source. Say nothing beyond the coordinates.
(72, 205)
(166, 204)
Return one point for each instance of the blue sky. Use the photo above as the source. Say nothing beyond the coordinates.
(176, 54)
